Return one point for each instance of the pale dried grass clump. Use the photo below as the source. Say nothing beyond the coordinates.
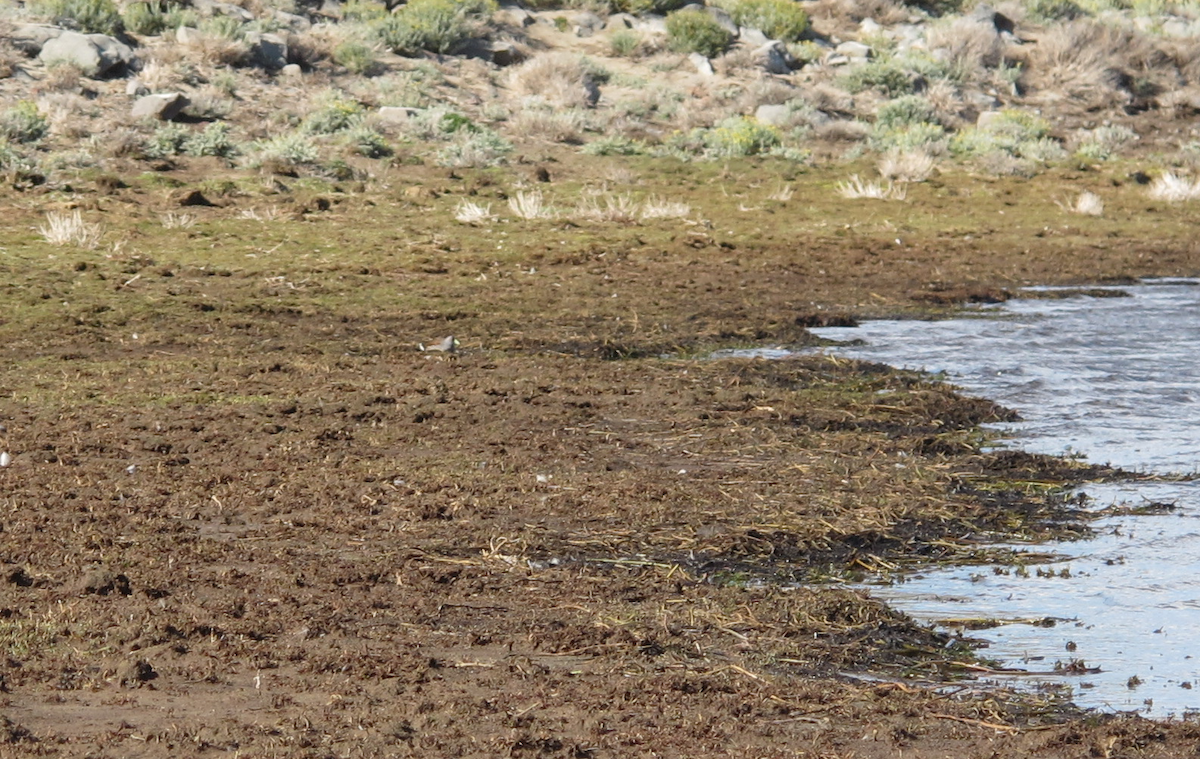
(69, 114)
(783, 194)
(1087, 203)
(470, 212)
(855, 188)
(1085, 61)
(172, 220)
(1174, 188)
(218, 50)
(63, 229)
(661, 208)
(621, 209)
(560, 79)
(530, 205)
(565, 125)
(906, 165)
(161, 76)
(61, 76)
(969, 45)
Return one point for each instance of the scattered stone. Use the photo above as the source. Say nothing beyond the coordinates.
(722, 17)
(293, 22)
(869, 26)
(163, 106)
(752, 36)
(187, 35)
(773, 115)
(652, 24)
(269, 51)
(702, 64)
(104, 582)
(292, 70)
(30, 38)
(837, 59)
(134, 88)
(514, 16)
(986, 14)
(506, 53)
(987, 118)
(620, 21)
(586, 24)
(192, 198)
(854, 50)
(982, 101)
(132, 673)
(94, 54)
(395, 114)
(773, 58)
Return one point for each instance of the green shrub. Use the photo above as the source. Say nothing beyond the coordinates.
(886, 76)
(336, 114)
(91, 16)
(364, 10)
(356, 57)
(178, 16)
(291, 149)
(614, 145)
(624, 43)
(367, 141)
(474, 149)
(908, 137)
(23, 123)
(903, 111)
(213, 141)
(735, 137)
(778, 19)
(696, 31)
(146, 18)
(225, 27)
(168, 140)
(434, 25)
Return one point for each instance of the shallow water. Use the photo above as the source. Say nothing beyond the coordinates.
(1114, 380)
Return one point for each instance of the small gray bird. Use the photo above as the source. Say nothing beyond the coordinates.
(446, 345)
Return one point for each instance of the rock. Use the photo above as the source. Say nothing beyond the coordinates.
(837, 59)
(869, 26)
(104, 582)
(854, 50)
(293, 22)
(211, 8)
(268, 51)
(652, 24)
(30, 38)
(164, 106)
(391, 114)
(702, 64)
(186, 198)
(134, 88)
(291, 70)
(752, 36)
(773, 58)
(132, 673)
(514, 16)
(619, 22)
(94, 54)
(505, 53)
(586, 24)
(773, 115)
(187, 35)
(981, 101)
(722, 17)
(988, 118)
(986, 14)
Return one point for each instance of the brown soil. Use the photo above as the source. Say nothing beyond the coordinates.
(245, 515)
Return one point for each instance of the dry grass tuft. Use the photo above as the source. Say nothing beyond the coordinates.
(622, 209)
(470, 212)
(855, 188)
(1174, 188)
(530, 205)
(969, 45)
(560, 79)
(906, 166)
(661, 208)
(172, 220)
(1087, 204)
(557, 125)
(65, 229)
(1085, 62)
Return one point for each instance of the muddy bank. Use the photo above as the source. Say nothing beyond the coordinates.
(244, 513)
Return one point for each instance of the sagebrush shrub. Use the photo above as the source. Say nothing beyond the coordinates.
(215, 140)
(356, 57)
(23, 123)
(336, 114)
(696, 31)
(92, 16)
(434, 25)
(905, 110)
(146, 18)
(778, 19)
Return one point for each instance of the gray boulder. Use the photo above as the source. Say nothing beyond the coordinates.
(393, 114)
(586, 24)
(854, 50)
(94, 54)
(269, 51)
(619, 22)
(293, 22)
(162, 106)
(751, 36)
(773, 115)
(722, 17)
(702, 64)
(30, 38)
(773, 58)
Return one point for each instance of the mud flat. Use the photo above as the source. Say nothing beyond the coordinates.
(243, 512)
